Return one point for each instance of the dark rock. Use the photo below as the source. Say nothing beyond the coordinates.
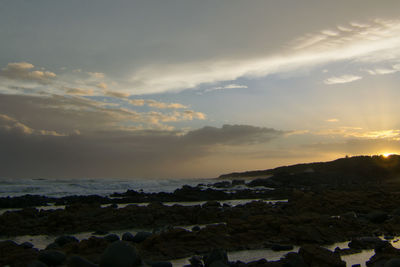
(15, 255)
(392, 263)
(383, 255)
(120, 254)
(293, 259)
(367, 242)
(52, 257)
(218, 264)
(141, 236)
(377, 216)
(196, 228)
(216, 255)
(161, 264)
(195, 261)
(238, 182)
(65, 239)
(127, 237)
(37, 264)
(100, 232)
(356, 265)
(27, 245)
(78, 261)
(278, 247)
(52, 246)
(316, 256)
(111, 237)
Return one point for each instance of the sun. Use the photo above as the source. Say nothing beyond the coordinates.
(386, 155)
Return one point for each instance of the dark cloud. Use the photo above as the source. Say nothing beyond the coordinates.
(116, 153)
(232, 135)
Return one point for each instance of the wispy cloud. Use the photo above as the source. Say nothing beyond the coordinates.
(225, 87)
(373, 42)
(342, 79)
(332, 120)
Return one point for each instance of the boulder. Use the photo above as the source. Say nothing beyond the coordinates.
(120, 254)
(78, 261)
(52, 257)
(27, 245)
(141, 236)
(316, 256)
(279, 247)
(293, 259)
(216, 255)
(127, 237)
(111, 237)
(65, 239)
(366, 242)
(392, 263)
(161, 264)
(377, 216)
(37, 264)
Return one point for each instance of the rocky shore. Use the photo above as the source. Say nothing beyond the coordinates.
(324, 205)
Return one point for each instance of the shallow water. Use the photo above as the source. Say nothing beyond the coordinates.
(232, 203)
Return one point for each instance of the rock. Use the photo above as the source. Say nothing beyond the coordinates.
(52, 246)
(100, 232)
(218, 264)
(161, 264)
(65, 239)
(384, 255)
(367, 242)
(141, 236)
(214, 256)
(78, 261)
(52, 257)
(356, 265)
(377, 216)
(27, 245)
(37, 264)
(111, 237)
(127, 237)
(316, 256)
(392, 263)
(13, 254)
(278, 247)
(120, 254)
(238, 182)
(196, 228)
(195, 261)
(293, 259)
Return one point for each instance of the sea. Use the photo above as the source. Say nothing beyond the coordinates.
(102, 187)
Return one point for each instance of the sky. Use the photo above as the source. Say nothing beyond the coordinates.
(194, 89)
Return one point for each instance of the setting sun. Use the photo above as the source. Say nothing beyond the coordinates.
(385, 155)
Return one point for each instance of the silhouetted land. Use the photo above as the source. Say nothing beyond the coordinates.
(355, 198)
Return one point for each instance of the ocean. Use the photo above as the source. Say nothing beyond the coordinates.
(102, 187)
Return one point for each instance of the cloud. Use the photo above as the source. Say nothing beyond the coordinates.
(66, 114)
(332, 120)
(342, 79)
(156, 104)
(23, 71)
(232, 135)
(102, 85)
(13, 126)
(162, 105)
(97, 75)
(382, 71)
(116, 94)
(121, 154)
(229, 86)
(375, 41)
(79, 91)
